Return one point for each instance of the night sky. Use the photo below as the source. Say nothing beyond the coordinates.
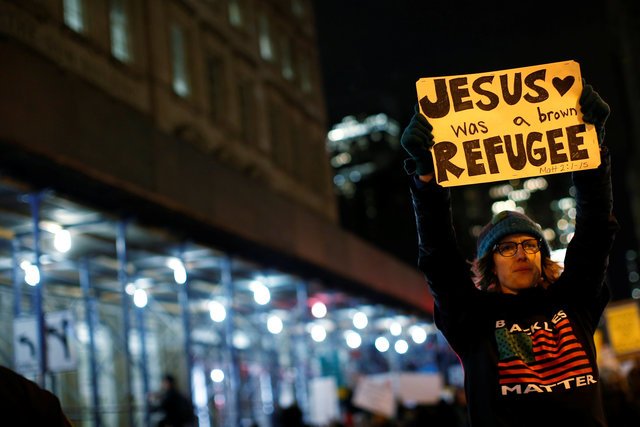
(373, 51)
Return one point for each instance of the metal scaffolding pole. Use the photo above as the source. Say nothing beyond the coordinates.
(233, 379)
(183, 297)
(302, 350)
(123, 276)
(17, 283)
(143, 364)
(91, 313)
(35, 200)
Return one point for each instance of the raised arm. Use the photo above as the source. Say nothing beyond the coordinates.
(587, 256)
(439, 259)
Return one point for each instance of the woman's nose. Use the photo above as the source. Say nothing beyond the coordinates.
(520, 253)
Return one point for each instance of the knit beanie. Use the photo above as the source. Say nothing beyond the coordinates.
(504, 224)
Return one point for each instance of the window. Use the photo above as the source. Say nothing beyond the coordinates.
(247, 120)
(181, 83)
(305, 75)
(215, 77)
(287, 62)
(236, 17)
(300, 167)
(74, 15)
(279, 133)
(120, 33)
(298, 8)
(266, 45)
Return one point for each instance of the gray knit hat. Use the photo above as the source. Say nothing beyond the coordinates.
(504, 224)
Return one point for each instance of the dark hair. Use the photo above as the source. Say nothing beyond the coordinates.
(486, 280)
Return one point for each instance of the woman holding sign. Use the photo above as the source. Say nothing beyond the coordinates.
(521, 324)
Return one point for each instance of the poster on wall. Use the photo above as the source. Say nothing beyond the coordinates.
(61, 355)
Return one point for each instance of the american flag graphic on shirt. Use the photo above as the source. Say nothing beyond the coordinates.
(542, 356)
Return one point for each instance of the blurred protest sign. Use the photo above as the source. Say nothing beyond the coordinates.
(380, 394)
(623, 327)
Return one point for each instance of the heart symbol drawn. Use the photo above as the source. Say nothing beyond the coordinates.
(563, 85)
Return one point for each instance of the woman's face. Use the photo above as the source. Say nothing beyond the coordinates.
(521, 271)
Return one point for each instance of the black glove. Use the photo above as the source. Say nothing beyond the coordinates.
(417, 140)
(594, 109)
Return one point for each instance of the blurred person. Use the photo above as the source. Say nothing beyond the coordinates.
(177, 410)
(291, 416)
(616, 398)
(633, 385)
(460, 407)
(521, 325)
(25, 404)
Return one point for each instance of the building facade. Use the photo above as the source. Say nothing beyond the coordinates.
(167, 206)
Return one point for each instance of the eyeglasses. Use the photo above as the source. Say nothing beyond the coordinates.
(509, 249)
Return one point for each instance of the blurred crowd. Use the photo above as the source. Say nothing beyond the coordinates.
(621, 389)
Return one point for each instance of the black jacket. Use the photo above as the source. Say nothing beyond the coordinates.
(529, 359)
(26, 404)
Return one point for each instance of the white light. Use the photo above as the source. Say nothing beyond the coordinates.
(382, 344)
(319, 310)
(549, 234)
(353, 339)
(500, 191)
(507, 205)
(31, 273)
(566, 203)
(519, 195)
(179, 272)
(140, 298)
(360, 320)
(318, 333)
(217, 311)
(199, 386)
(395, 328)
(418, 334)
(180, 276)
(336, 135)
(62, 241)
(274, 324)
(217, 376)
(558, 255)
(261, 294)
(130, 288)
(535, 184)
(401, 346)
(82, 333)
(241, 340)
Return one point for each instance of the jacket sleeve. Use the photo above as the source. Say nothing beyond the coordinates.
(587, 255)
(439, 258)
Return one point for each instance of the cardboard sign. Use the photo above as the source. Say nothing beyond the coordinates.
(324, 406)
(420, 388)
(375, 394)
(623, 326)
(508, 124)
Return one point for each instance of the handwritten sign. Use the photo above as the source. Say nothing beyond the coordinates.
(508, 124)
